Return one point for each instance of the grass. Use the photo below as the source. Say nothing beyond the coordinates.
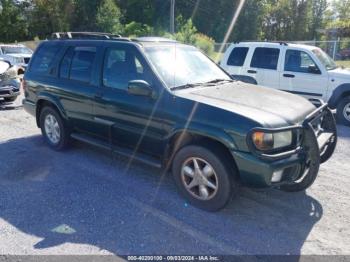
(345, 64)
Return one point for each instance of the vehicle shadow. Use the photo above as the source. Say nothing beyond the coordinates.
(85, 196)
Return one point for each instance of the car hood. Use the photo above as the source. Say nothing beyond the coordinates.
(269, 107)
(339, 72)
(20, 55)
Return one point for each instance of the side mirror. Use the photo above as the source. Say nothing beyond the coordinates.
(139, 88)
(313, 69)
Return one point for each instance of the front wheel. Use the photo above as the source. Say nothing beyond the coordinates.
(203, 177)
(343, 111)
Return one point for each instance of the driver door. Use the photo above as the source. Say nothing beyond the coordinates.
(302, 76)
(129, 120)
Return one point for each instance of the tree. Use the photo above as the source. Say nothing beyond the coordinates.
(50, 16)
(108, 17)
(13, 24)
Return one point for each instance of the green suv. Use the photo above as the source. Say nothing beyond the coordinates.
(166, 104)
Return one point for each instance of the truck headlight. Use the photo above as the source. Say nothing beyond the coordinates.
(265, 141)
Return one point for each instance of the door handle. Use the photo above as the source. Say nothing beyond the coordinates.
(252, 71)
(289, 75)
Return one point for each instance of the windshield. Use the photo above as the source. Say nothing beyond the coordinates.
(328, 62)
(183, 65)
(16, 50)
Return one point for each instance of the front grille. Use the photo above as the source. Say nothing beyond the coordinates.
(26, 60)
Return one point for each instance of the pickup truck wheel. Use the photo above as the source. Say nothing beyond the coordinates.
(10, 99)
(343, 111)
(53, 129)
(203, 178)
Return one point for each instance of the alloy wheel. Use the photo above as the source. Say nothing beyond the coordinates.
(199, 178)
(52, 129)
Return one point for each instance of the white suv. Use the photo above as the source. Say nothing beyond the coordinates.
(299, 69)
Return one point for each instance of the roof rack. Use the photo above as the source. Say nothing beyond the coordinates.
(266, 41)
(86, 35)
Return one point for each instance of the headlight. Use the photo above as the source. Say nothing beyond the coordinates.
(264, 141)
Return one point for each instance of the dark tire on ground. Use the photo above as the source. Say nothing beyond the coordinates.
(343, 105)
(10, 99)
(223, 176)
(64, 134)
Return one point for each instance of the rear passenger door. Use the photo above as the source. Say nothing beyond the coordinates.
(77, 85)
(264, 66)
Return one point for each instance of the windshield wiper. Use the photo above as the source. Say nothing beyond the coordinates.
(185, 86)
(216, 81)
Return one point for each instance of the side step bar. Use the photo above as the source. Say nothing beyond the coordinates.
(117, 150)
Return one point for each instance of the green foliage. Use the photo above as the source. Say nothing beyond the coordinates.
(108, 17)
(186, 31)
(205, 43)
(134, 29)
(13, 26)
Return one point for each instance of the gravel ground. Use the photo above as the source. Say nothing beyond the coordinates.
(84, 201)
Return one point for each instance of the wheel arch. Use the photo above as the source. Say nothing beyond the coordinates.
(51, 102)
(245, 79)
(182, 138)
(338, 94)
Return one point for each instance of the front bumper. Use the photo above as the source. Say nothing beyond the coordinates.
(9, 91)
(319, 137)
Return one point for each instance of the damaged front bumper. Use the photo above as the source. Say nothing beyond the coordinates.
(317, 139)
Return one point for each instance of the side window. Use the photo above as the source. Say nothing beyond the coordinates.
(121, 66)
(82, 64)
(43, 59)
(266, 58)
(66, 63)
(237, 56)
(300, 61)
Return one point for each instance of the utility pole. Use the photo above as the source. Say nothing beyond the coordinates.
(172, 16)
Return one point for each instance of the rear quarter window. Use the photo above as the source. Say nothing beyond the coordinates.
(43, 59)
(237, 56)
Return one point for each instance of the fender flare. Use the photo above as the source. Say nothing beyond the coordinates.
(245, 79)
(224, 138)
(53, 100)
(338, 94)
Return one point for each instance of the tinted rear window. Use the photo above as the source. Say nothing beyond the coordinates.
(44, 58)
(237, 56)
(266, 58)
(77, 63)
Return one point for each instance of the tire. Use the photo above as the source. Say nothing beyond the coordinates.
(342, 109)
(221, 177)
(10, 99)
(62, 139)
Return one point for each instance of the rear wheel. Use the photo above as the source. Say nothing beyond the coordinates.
(53, 128)
(203, 177)
(343, 111)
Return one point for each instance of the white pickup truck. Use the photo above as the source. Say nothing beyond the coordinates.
(299, 69)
